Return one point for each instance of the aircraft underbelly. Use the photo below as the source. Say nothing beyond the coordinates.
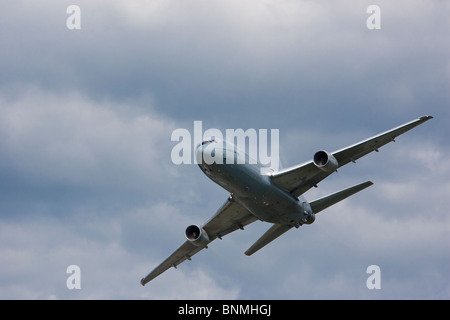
(256, 193)
(271, 205)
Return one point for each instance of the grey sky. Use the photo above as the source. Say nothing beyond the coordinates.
(86, 118)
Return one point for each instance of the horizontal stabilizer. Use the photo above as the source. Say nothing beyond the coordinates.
(274, 232)
(325, 202)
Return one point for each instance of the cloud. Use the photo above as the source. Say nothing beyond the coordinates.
(86, 117)
(294, 56)
(80, 177)
(71, 141)
(35, 255)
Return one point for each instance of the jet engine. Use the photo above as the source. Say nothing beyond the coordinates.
(310, 218)
(197, 236)
(325, 161)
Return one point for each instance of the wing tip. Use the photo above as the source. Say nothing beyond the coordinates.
(427, 117)
(143, 282)
(249, 252)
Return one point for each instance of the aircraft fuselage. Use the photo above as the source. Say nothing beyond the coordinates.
(251, 187)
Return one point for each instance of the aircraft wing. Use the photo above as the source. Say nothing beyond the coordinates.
(299, 179)
(230, 217)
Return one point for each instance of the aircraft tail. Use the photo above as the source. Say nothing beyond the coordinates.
(320, 204)
(274, 232)
(325, 202)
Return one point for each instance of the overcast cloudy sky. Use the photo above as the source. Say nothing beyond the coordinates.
(86, 118)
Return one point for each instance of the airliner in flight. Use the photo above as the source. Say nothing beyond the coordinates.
(273, 197)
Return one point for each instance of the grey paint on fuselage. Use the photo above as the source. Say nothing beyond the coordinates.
(258, 192)
(251, 187)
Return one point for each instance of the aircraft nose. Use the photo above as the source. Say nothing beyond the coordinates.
(209, 151)
(199, 153)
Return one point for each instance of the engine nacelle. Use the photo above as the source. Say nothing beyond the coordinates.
(325, 161)
(197, 236)
(310, 218)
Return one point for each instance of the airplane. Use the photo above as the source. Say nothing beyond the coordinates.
(273, 197)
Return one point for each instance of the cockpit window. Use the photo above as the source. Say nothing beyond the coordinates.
(209, 141)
